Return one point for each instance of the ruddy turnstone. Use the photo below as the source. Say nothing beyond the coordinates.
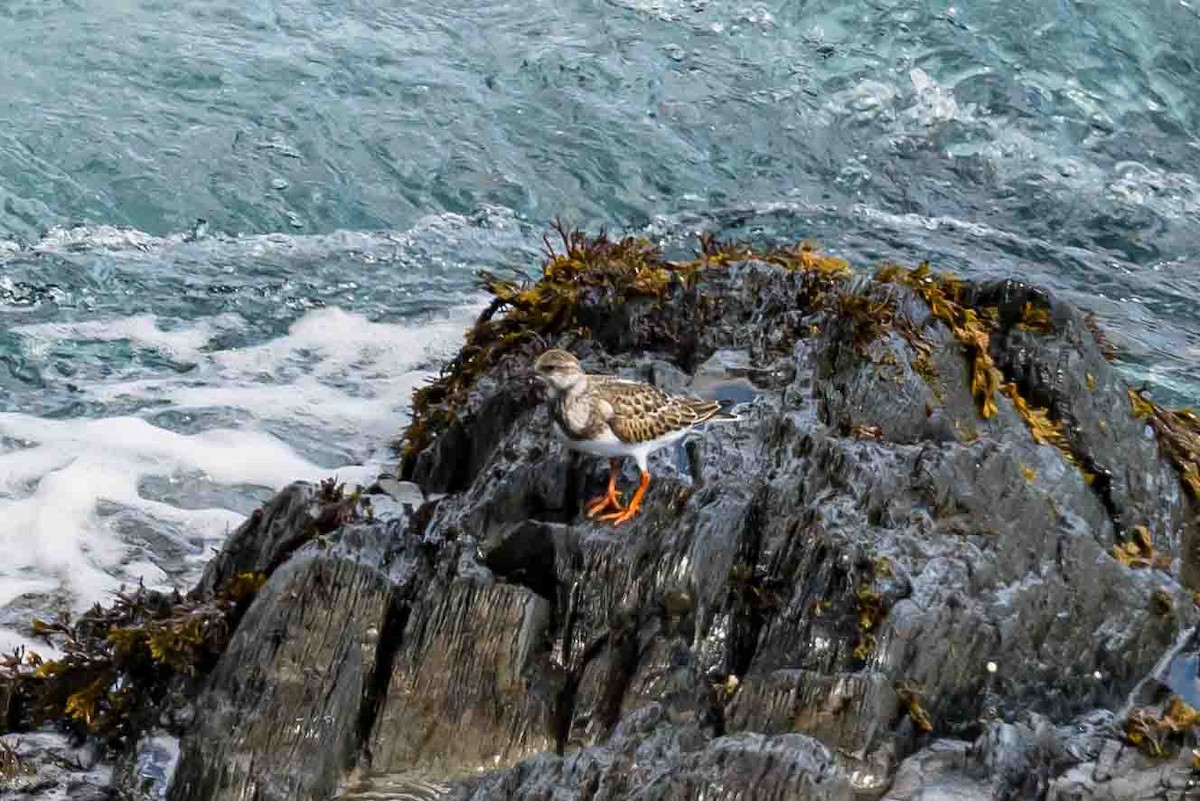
(604, 415)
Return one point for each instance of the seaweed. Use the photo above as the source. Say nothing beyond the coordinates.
(1138, 551)
(1107, 349)
(870, 317)
(751, 588)
(924, 366)
(867, 432)
(864, 647)
(910, 694)
(725, 690)
(1162, 603)
(11, 765)
(943, 294)
(1178, 434)
(803, 256)
(1035, 319)
(1044, 429)
(870, 608)
(1160, 734)
(121, 662)
(335, 508)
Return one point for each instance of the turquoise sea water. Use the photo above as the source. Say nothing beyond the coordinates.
(354, 163)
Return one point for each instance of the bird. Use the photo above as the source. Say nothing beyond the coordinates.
(603, 415)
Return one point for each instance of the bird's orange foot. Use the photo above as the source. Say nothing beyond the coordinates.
(635, 503)
(609, 500)
(623, 516)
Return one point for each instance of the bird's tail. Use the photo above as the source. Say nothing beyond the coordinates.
(721, 413)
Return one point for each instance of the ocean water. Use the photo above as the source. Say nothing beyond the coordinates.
(234, 236)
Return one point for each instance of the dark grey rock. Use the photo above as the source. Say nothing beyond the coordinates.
(1023, 759)
(458, 697)
(1120, 773)
(649, 759)
(807, 607)
(286, 708)
(264, 541)
(980, 544)
(51, 767)
(1070, 376)
(942, 771)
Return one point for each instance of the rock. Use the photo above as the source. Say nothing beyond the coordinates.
(649, 760)
(405, 492)
(861, 588)
(264, 541)
(1068, 375)
(459, 695)
(1122, 774)
(285, 710)
(407, 786)
(939, 772)
(1017, 760)
(818, 570)
(45, 765)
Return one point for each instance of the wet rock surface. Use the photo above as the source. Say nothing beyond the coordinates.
(860, 589)
(299, 675)
(864, 559)
(643, 759)
(49, 767)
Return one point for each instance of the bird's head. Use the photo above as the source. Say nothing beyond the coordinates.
(559, 370)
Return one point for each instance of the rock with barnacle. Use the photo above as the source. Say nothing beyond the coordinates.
(898, 574)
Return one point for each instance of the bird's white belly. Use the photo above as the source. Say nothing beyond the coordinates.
(610, 446)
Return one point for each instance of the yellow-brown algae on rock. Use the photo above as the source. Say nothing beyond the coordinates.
(1178, 433)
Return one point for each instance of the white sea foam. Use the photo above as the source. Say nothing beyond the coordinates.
(69, 488)
(349, 375)
(141, 331)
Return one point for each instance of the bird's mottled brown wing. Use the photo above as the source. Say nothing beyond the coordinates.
(641, 412)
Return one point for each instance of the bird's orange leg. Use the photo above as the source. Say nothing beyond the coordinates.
(635, 502)
(610, 499)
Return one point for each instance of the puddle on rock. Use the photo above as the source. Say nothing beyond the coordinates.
(1183, 677)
